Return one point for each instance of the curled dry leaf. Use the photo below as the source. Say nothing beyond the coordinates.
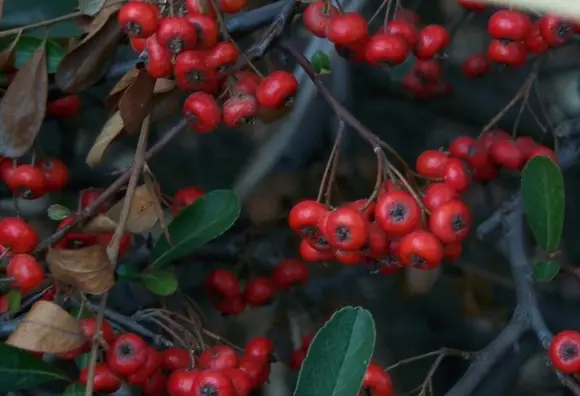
(112, 128)
(99, 224)
(163, 85)
(87, 62)
(420, 282)
(87, 268)
(7, 54)
(135, 103)
(47, 328)
(125, 82)
(142, 216)
(166, 104)
(23, 106)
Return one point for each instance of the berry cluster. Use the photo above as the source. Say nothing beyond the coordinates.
(224, 288)
(185, 44)
(406, 228)
(32, 181)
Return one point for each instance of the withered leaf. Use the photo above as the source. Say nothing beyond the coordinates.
(91, 7)
(47, 328)
(135, 104)
(142, 216)
(163, 85)
(420, 282)
(165, 105)
(87, 268)
(99, 224)
(87, 62)
(155, 192)
(7, 54)
(23, 106)
(125, 82)
(112, 128)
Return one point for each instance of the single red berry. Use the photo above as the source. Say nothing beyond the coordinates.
(207, 30)
(428, 70)
(487, 138)
(259, 348)
(276, 89)
(407, 15)
(487, 172)
(469, 150)
(457, 175)
(451, 221)
(259, 291)
(239, 110)
(55, 173)
(347, 28)
(364, 206)
(316, 17)
(137, 44)
(377, 381)
(397, 212)
(347, 228)
(304, 216)
(105, 239)
(310, 253)
(348, 257)
(222, 56)
(181, 382)
(354, 52)
(89, 326)
(231, 6)
(452, 251)
(420, 249)
(297, 358)
(151, 365)
(128, 354)
(139, 18)
(509, 25)
(554, 30)
(159, 62)
(543, 151)
(507, 154)
(202, 112)
(17, 235)
(257, 370)
(377, 244)
(154, 385)
(25, 271)
(526, 144)
(240, 380)
(204, 7)
(388, 49)
(431, 41)
(192, 71)
(436, 194)
(431, 163)
(223, 283)
(68, 106)
(534, 42)
(247, 82)
(26, 181)
(218, 357)
(403, 29)
(184, 197)
(230, 305)
(89, 196)
(511, 53)
(212, 382)
(174, 358)
(104, 379)
(473, 5)
(290, 272)
(475, 66)
(564, 351)
(176, 34)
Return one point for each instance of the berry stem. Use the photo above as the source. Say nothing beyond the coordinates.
(328, 175)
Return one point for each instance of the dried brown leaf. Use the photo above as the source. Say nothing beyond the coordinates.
(136, 102)
(166, 105)
(142, 216)
(87, 268)
(23, 106)
(47, 328)
(420, 282)
(7, 54)
(155, 192)
(112, 128)
(125, 82)
(163, 85)
(99, 224)
(87, 63)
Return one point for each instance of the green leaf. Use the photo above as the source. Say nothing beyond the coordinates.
(207, 218)
(542, 190)
(160, 281)
(321, 62)
(339, 355)
(128, 272)
(14, 299)
(83, 360)
(58, 212)
(545, 271)
(27, 45)
(81, 312)
(74, 389)
(91, 7)
(20, 370)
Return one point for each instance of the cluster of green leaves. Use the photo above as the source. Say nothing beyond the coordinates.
(543, 197)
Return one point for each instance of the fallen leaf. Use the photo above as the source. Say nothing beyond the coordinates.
(135, 103)
(99, 224)
(91, 7)
(87, 63)
(142, 215)
(163, 85)
(47, 328)
(87, 268)
(125, 82)
(112, 128)
(23, 106)
(7, 54)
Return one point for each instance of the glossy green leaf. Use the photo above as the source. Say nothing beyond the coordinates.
(58, 212)
(339, 355)
(14, 300)
(83, 360)
(321, 62)
(209, 217)
(91, 7)
(128, 272)
(21, 370)
(545, 271)
(27, 45)
(542, 188)
(160, 281)
(75, 389)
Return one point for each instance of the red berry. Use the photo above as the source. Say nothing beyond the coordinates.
(526, 144)
(17, 235)
(240, 380)
(68, 106)
(222, 56)
(159, 63)
(347, 28)
(473, 5)
(174, 358)
(507, 154)
(310, 253)
(192, 71)
(200, 7)
(420, 249)
(316, 17)
(138, 44)
(554, 30)
(176, 34)
(431, 41)
(397, 212)
(436, 194)
(211, 382)
(259, 291)
(105, 239)
(89, 326)
(218, 357)
(470, 150)
(259, 348)
(431, 163)
(147, 370)
(290, 272)
(26, 181)
(26, 271)
(55, 173)
(403, 29)
(239, 110)
(534, 42)
(475, 66)
(257, 370)
(202, 112)
(276, 89)
(230, 305)
(104, 379)
(452, 251)
(509, 53)
(378, 243)
(509, 25)
(207, 29)
(564, 351)
(128, 354)
(347, 228)
(377, 381)
(231, 6)
(181, 382)
(348, 257)
(304, 216)
(139, 19)
(428, 70)
(364, 206)
(247, 82)
(456, 175)
(223, 283)
(296, 359)
(543, 151)
(184, 197)
(487, 138)
(450, 222)
(389, 49)
(155, 384)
